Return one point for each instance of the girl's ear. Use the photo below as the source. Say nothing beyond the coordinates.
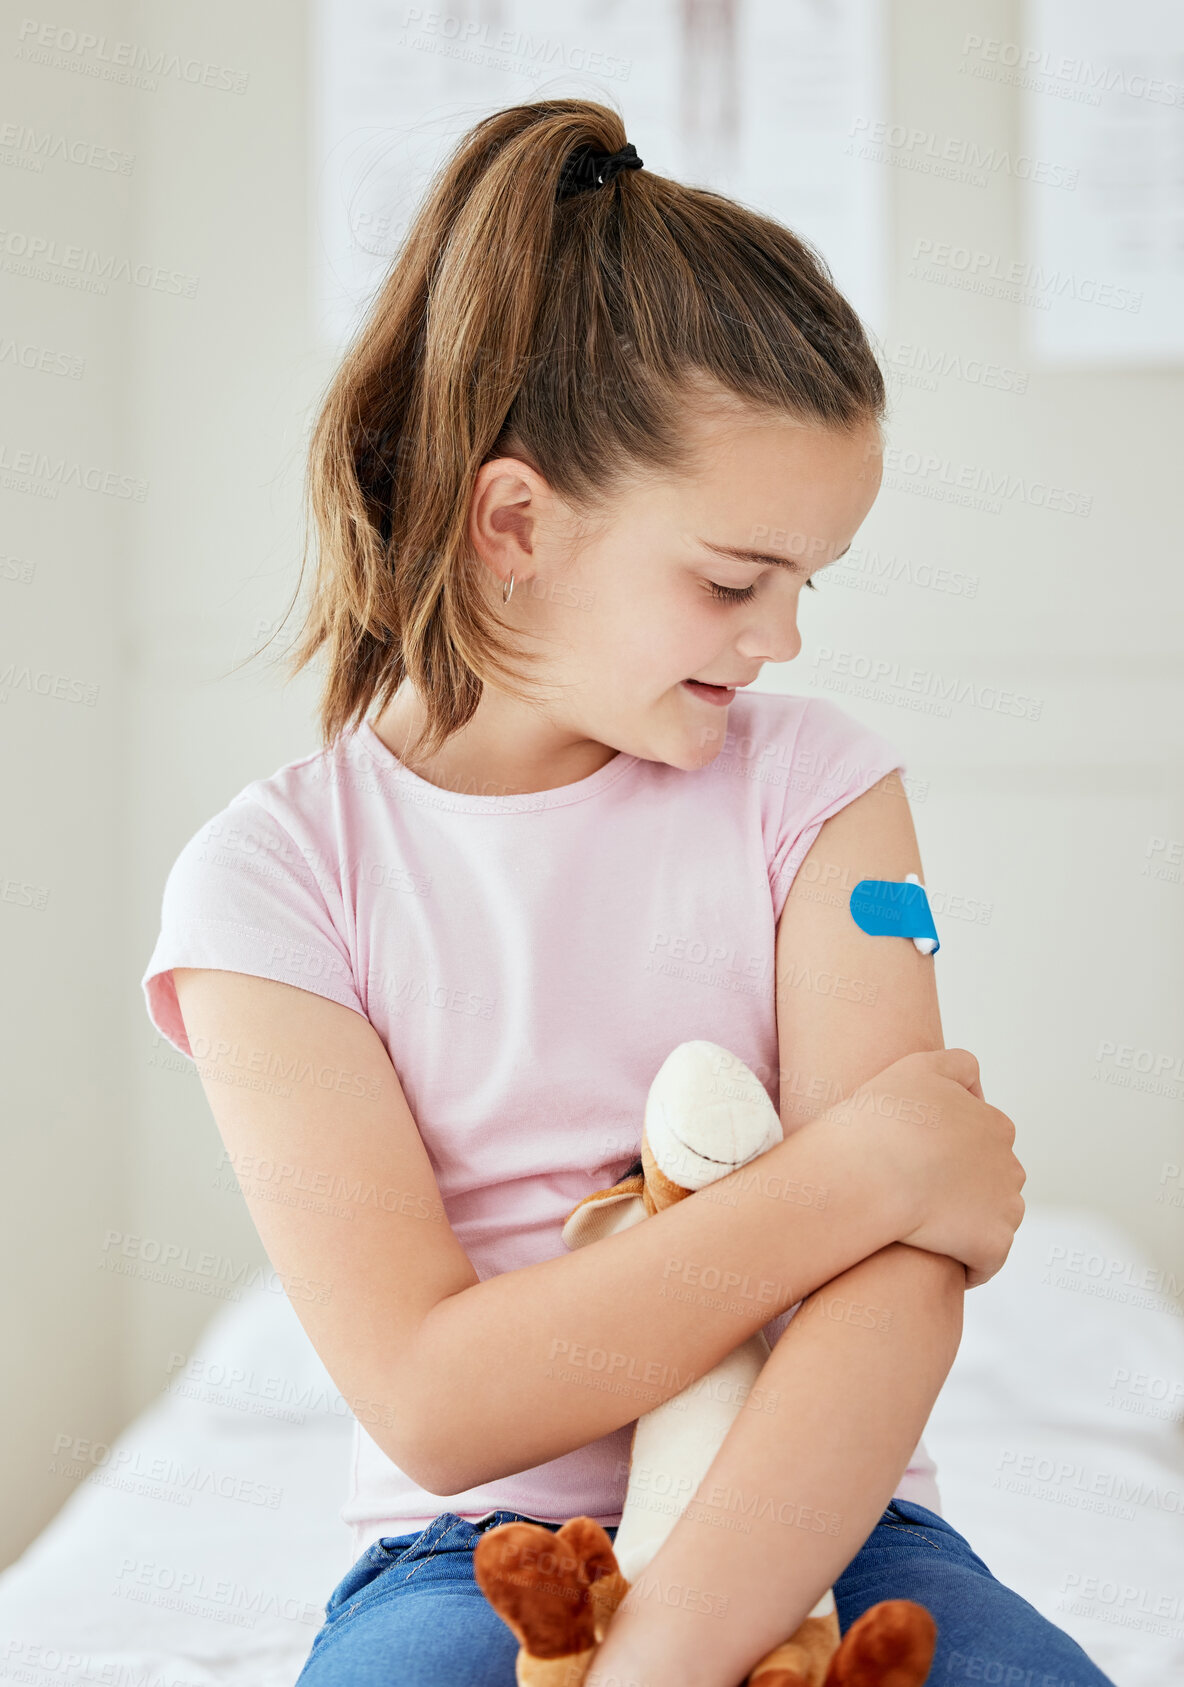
(606, 1212)
(503, 515)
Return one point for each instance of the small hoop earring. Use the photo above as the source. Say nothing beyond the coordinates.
(507, 588)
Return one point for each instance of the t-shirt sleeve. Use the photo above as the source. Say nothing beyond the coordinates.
(834, 760)
(244, 896)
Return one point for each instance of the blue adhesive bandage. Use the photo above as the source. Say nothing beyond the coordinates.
(885, 909)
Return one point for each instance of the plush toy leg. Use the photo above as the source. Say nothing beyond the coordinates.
(556, 1589)
(800, 1661)
(890, 1645)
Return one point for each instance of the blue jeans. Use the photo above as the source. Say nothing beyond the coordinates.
(409, 1611)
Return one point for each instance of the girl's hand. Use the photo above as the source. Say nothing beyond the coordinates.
(944, 1152)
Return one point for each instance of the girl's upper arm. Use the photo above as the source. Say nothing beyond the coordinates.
(365, 1250)
(848, 1005)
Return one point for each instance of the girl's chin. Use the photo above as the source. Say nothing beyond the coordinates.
(702, 745)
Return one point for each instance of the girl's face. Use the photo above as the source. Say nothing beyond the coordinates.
(686, 581)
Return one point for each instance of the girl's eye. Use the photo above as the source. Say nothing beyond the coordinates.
(741, 594)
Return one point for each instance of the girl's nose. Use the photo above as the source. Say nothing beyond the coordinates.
(772, 637)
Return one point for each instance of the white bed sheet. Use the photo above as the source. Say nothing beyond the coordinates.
(166, 1569)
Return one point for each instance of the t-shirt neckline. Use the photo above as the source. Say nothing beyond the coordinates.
(520, 802)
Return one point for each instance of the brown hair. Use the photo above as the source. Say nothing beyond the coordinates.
(565, 332)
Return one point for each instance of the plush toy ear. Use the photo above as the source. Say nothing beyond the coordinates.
(606, 1212)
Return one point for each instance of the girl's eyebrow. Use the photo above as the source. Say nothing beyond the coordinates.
(741, 555)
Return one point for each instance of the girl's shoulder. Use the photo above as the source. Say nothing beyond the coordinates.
(259, 888)
(278, 817)
(791, 763)
(809, 743)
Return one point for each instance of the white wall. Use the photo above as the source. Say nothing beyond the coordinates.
(1051, 820)
(1044, 825)
(204, 398)
(65, 888)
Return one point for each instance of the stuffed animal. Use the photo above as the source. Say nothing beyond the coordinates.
(707, 1114)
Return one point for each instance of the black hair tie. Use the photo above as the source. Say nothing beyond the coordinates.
(587, 168)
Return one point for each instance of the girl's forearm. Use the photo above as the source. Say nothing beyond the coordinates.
(793, 1494)
(533, 1363)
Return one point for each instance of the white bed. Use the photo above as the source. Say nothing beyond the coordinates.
(130, 1583)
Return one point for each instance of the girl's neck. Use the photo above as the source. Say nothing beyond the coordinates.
(506, 749)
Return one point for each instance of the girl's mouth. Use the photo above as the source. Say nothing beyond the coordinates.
(721, 695)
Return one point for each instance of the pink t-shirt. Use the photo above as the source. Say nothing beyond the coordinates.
(529, 962)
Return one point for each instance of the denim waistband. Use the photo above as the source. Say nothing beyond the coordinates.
(446, 1521)
(483, 1523)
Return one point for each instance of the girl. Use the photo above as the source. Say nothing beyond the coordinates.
(596, 436)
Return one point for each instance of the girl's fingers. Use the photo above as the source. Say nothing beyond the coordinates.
(960, 1065)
